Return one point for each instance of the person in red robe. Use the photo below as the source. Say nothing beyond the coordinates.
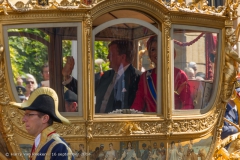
(145, 99)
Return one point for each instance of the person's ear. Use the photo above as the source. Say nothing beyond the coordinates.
(45, 118)
(74, 105)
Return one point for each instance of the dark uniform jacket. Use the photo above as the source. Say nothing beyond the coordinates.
(52, 147)
(228, 129)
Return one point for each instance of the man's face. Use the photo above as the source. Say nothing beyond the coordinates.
(70, 106)
(114, 58)
(30, 84)
(33, 123)
(45, 73)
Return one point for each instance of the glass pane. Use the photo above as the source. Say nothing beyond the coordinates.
(37, 56)
(195, 53)
(120, 56)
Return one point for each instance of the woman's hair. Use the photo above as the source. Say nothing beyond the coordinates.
(128, 143)
(150, 41)
(97, 149)
(29, 76)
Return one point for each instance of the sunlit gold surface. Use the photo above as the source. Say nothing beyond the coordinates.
(90, 127)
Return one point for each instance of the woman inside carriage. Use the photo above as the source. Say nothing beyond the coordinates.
(146, 96)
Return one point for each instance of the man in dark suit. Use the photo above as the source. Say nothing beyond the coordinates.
(116, 89)
(231, 115)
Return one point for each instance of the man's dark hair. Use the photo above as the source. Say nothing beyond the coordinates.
(124, 47)
(50, 121)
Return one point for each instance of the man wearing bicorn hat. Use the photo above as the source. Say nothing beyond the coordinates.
(41, 109)
(71, 101)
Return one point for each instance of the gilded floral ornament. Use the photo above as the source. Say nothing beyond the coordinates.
(167, 127)
(231, 63)
(73, 129)
(131, 128)
(201, 6)
(196, 6)
(233, 151)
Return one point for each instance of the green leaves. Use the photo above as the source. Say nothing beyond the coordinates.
(101, 52)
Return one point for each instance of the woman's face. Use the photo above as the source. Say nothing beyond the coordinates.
(110, 146)
(30, 84)
(153, 53)
(129, 145)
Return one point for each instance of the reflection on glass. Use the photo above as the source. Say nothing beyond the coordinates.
(28, 53)
(146, 96)
(194, 59)
(144, 60)
(35, 55)
(116, 85)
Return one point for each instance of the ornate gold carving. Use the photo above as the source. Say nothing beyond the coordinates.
(19, 4)
(231, 63)
(89, 125)
(88, 34)
(201, 7)
(131, 128)
(7, 127)
(167, 127)
(73, 129)
(233, 150)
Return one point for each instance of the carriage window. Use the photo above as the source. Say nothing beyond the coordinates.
(195, 56)
(122, 55)
(37, 56)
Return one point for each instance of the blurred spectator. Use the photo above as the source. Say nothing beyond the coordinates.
(31, 85)
(193, 65)
(190, 73)
(45, 75)
(200, 74)
(19, 81)
(21, 90)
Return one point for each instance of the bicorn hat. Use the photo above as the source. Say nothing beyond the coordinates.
(45, 100)
(70, 96)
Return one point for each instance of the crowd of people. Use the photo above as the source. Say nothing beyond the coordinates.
(27, 83)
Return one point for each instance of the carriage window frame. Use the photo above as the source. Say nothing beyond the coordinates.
(156, 30)
(78, 61)
(216, 72)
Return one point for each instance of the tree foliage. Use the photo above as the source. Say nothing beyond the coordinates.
(28, 55)
(101, 52)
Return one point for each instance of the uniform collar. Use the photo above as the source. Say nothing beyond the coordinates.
(44, 137)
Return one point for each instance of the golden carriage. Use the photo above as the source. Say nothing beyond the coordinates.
(199, 33)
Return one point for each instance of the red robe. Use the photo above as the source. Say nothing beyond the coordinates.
(145, 102)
